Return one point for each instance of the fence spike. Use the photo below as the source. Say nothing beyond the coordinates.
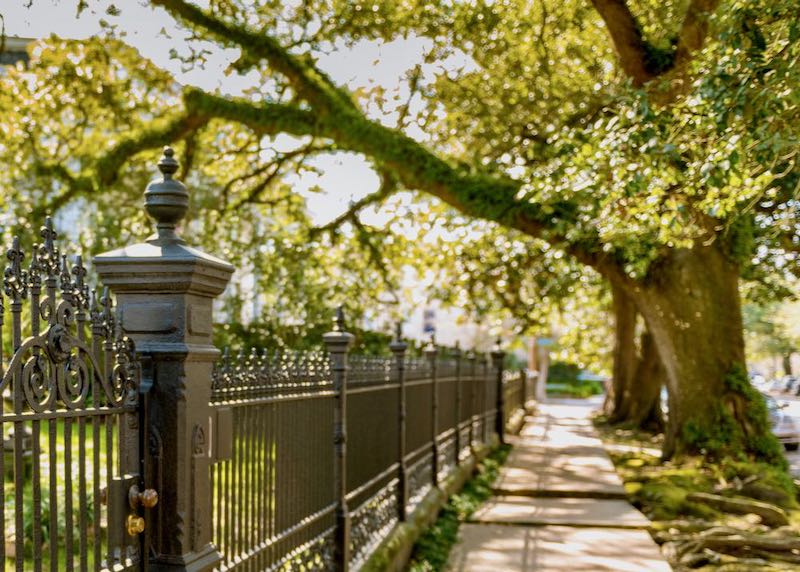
(14, 277)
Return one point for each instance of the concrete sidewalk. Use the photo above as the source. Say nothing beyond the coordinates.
(558, 505)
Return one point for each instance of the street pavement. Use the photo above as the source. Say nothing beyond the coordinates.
(558, 505)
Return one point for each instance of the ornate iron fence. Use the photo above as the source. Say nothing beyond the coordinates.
(70, 421)
(272, 488)
(408, 423)
(286, 461)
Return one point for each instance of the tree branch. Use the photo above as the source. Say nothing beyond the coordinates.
(480, 195)
(335, 116)
(632, 48)
(253, 195)
(263, 118)
(308, 81)
(105, 170)
(387, 187)
(693, 30)
(637, 56)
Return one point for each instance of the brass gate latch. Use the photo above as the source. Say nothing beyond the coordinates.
(134, 524)
(148, 498)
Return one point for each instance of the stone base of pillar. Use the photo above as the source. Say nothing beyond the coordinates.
(203, 561)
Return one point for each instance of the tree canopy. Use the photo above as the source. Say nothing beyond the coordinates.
(655, 143)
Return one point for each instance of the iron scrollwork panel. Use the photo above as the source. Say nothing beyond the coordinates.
(70, 421)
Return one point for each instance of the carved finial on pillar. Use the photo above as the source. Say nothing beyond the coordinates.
(338, 320)
(166, 200)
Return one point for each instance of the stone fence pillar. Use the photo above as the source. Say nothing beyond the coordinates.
(164, 290)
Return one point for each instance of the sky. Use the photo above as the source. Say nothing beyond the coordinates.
(345, 177)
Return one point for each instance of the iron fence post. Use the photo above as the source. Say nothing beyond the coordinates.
(432, 352)
(398, 347)
(472, 405)
(337, 343)
(498, 355)
(165, 290)
(487, 382)
(457, 358)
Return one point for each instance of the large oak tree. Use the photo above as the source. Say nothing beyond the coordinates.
(655, 143)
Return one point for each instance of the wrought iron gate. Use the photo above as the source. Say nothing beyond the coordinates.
(73, 421)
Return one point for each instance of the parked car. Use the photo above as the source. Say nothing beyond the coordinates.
(785, 427)
(789, 383)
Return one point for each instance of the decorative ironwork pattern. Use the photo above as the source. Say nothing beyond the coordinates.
(420, 480)
(369, 370)
(417, 368)
(315, 555)
(447, 456)
(372, 522)
(69, 423)
(261, 374)
(274, 494)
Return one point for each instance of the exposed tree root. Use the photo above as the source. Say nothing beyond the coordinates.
(770, 514)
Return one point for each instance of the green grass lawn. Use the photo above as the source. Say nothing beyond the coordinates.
(96, 531)
(574, 388)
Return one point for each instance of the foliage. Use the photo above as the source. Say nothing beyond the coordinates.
(55, 126)
(576, 389)
(630, 157)
(562, 372)
(265, 336)
(433, 548)
(608, 165)
(563, 379)
(771, 328)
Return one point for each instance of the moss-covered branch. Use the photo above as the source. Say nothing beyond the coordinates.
(263, 118)
(310, 83)
(641, 60)
(333, 115)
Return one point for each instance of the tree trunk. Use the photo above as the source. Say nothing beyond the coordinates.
(634, 396)
(644, 403)
(691, 305)
(787, 364)
(624, 358)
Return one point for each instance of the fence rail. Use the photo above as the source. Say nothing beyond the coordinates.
(409, 422)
